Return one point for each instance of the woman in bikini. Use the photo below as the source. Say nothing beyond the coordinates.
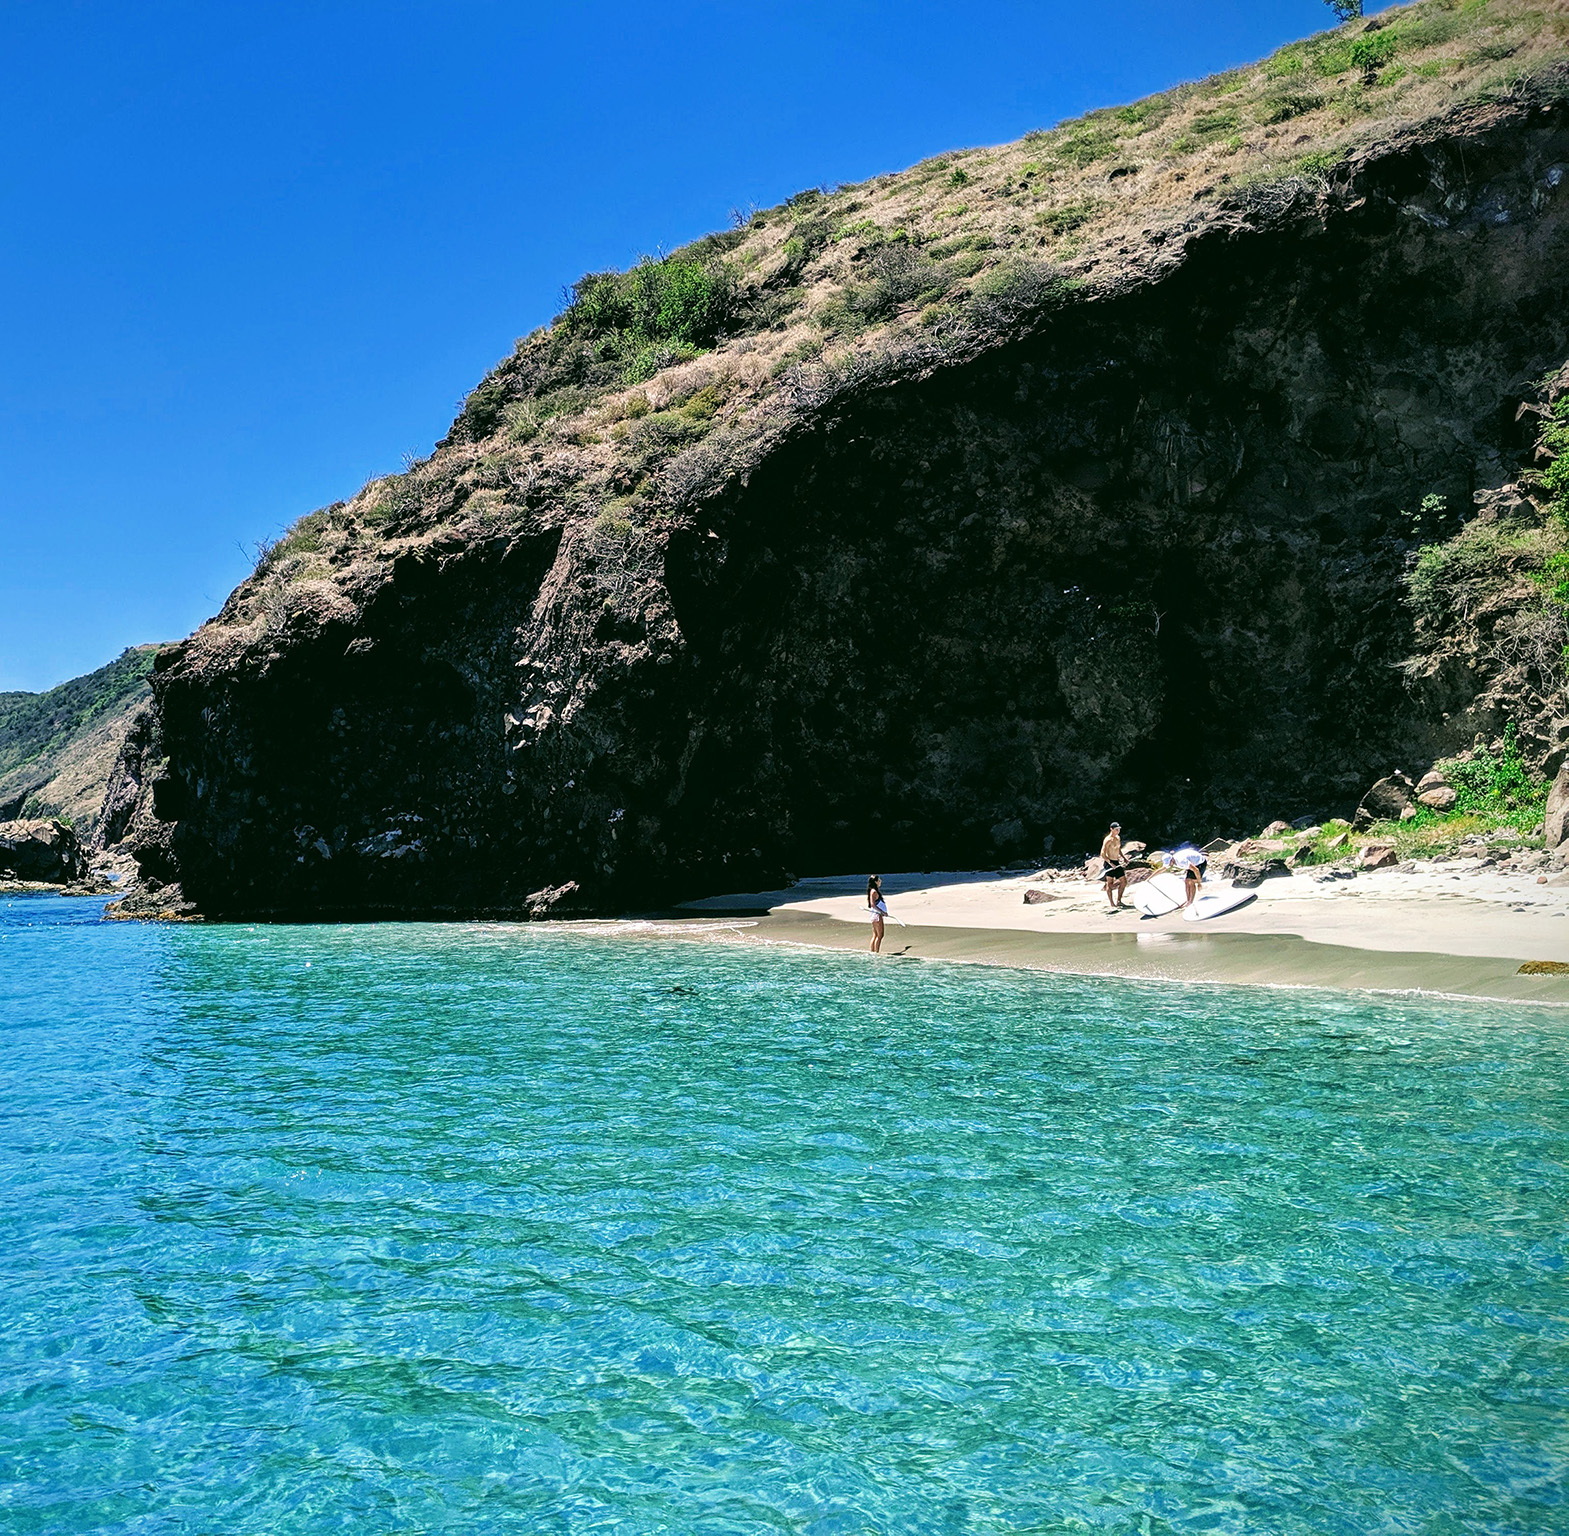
(877, 909)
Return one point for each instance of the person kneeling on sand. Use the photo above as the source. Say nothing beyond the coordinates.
(1115, 874)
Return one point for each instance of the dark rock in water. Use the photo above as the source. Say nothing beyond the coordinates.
(1555, 823)
(153, 903)
(1385, 801)
(1033, 898)
(45, 851)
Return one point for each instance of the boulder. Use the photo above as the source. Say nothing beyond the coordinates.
(1094, 868)
(1251, 847)
(1247, 876)
(1305, 824)
(1408, 814)
(1558, 747)
(1216, 845)
(1033, 898)
(44, 851)
(1132, 849)
(544, 903)
(1555, 824)
(1338, 841)
(1430, 780)
(1378, 856)
(1277, 829)
(1303, 854)
(1385, 800)
(1438, 797)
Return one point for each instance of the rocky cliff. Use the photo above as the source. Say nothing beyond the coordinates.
(914, 522)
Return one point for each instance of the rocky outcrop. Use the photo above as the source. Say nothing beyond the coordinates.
(1555, 823)
(1128, 543)
(44, 852)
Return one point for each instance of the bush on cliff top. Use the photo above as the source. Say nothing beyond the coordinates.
(659, 307)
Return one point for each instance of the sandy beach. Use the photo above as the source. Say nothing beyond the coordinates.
(1454, 927)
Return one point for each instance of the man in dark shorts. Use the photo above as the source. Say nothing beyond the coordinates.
(1115, 873)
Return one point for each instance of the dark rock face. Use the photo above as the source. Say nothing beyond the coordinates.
(1147, 561)
(45, 851)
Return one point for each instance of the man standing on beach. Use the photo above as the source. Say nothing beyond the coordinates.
(1115, 872)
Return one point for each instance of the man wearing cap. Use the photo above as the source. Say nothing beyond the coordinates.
(1115, 872)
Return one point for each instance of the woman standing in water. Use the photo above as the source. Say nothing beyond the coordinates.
(877, 908)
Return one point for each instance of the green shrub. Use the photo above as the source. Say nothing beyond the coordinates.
(897, 274)
(1450, 579)
(1554, 439)
(1282, 105)
(959, 178)
(1371, 52)
(1215, 124)
(674, 301)
(1085, 145)
(1317, 165)
(1489, 782)
(1069, 216)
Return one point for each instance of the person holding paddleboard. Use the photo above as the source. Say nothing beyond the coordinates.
(1115, 873)
(877, 909)
(1192, 863)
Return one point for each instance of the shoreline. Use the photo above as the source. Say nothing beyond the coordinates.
(1392, 934)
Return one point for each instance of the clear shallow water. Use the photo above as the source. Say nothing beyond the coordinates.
(421, 1228)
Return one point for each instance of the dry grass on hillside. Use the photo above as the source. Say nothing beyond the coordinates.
(904, 262)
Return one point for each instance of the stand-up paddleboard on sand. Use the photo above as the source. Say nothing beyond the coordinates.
(1209, 904)
(1158, 895)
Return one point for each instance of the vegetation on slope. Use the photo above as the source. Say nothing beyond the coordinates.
(616, 403)
(1493, 589)
(43, 733)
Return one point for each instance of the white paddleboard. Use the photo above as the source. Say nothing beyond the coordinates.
(1158, 895)
(1212, 903)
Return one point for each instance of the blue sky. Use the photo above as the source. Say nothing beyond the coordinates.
(250, 256)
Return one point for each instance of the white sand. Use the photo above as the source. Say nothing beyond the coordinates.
(1452, 907)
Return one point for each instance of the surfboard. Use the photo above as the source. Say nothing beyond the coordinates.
(1209, 904)
(1158, 895)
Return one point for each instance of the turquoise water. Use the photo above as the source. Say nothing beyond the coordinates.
(476, 1229)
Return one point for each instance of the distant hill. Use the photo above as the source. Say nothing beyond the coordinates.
(57, 747)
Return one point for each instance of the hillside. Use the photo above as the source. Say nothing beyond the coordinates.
(57, 748)
(919, 520)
